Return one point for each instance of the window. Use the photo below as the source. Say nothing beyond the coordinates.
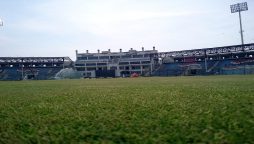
(81, 58)
(91, 64)
(92, 58)
(113, 68)
(104, 57)
(101, 64)
(123, 63)
(137, 56)
(135, 62)
(91, 69)
(114, 57)
(135, 67)
(147, 55)
(79, 64)
(80, 69)
(145, 62)
(126, 56)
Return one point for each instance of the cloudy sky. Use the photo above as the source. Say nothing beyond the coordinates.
(59, 27)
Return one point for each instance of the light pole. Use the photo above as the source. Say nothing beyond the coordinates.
(238, 8)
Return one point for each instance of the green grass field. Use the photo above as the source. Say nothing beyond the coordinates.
(214, 109)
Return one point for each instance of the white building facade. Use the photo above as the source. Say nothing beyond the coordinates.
(116, 64)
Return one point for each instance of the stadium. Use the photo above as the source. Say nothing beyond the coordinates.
(194, 86)
(227, 60)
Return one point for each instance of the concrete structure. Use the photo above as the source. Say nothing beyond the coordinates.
(116, 64)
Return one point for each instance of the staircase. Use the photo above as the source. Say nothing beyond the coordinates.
(212, 67)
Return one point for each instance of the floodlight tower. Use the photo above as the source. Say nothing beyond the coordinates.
(239, 7)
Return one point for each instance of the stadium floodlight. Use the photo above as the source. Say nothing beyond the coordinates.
(239, 7)
(1, 22)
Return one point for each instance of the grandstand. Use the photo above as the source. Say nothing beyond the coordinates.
(116, 64)
(36, 68)
(236, 59)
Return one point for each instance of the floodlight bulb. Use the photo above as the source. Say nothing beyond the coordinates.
(1, 22)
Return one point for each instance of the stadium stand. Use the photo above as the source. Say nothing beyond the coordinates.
(227, 60)
(116, 64)
(32, 68)
(236, 59)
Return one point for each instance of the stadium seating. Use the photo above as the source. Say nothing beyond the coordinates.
(32, 73)
(224, 67)
(9, 74)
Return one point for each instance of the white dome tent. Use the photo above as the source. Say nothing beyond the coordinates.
(67, 73)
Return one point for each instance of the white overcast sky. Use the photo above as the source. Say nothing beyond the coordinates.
(59, 27)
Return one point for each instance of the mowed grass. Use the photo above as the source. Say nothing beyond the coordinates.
(213, 109)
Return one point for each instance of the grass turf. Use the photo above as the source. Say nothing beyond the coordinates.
(214, 109)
